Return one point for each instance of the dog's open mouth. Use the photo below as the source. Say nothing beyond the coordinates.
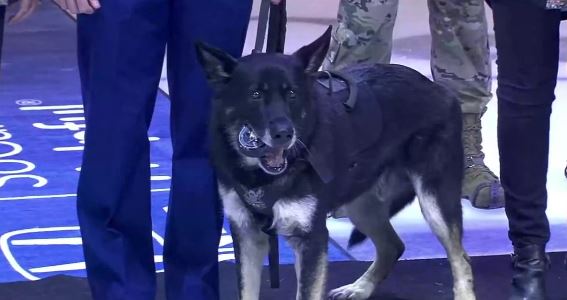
(272, 160)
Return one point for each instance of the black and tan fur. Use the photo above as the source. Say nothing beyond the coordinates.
(402, 139)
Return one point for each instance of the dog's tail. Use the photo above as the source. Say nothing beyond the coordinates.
(356, 237)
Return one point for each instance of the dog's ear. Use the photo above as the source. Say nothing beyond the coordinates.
(312, 55)
(218, 65)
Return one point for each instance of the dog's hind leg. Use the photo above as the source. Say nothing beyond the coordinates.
(250, 243)
(440, 204)
(370, 215)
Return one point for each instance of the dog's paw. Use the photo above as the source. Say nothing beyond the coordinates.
(353, 291)
(464, 290)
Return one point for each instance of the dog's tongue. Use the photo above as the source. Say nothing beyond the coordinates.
(275, 158)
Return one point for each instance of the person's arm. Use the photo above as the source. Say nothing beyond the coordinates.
(27, 7)
(80, 6)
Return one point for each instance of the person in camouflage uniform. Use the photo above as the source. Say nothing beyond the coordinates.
(459, 60)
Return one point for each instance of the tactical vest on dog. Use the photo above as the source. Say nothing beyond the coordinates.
(350, 122)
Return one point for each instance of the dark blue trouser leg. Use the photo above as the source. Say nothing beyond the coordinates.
(2, 15)
(195, 216)
(527, 75)
(121, 50)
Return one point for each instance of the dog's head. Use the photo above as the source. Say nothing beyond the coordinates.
(263, 101)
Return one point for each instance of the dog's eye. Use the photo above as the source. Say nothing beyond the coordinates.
(291, 94)
(256, 94)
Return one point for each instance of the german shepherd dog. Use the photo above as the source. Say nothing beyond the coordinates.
(290, 145)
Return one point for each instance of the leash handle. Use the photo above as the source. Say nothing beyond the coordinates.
(276, 17)
(262, 25)
(277, 29)
(274, 261)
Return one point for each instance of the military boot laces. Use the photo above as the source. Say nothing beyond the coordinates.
(481, 186)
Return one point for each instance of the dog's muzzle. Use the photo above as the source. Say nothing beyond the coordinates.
(272, 161)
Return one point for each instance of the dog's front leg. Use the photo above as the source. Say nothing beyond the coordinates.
(311, 263)
(251, 247)
(250, 244)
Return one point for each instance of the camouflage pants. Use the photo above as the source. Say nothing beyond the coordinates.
(459, 43)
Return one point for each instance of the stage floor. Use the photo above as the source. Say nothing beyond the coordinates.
(410, 280)
(41, 132)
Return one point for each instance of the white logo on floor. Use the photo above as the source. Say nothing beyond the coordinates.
(28, 102)
(15, 169)
(42, 240)
(50, 240)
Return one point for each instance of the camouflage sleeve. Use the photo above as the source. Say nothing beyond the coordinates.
(363, 33)
(460, 56)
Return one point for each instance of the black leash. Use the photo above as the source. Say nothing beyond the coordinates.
(276, 17)
(277, 28)
(262, 25)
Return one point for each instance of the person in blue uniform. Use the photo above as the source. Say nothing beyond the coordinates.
(121, 49)
(3, 4)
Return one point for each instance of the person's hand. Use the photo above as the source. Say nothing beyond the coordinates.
(276, 2)
(27, 7)
(80, 6)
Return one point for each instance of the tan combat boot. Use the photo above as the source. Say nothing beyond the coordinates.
(480, 185)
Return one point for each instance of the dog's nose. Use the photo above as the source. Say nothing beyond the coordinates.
(281, 131)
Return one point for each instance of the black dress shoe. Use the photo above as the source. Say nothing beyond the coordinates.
(530, 264)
